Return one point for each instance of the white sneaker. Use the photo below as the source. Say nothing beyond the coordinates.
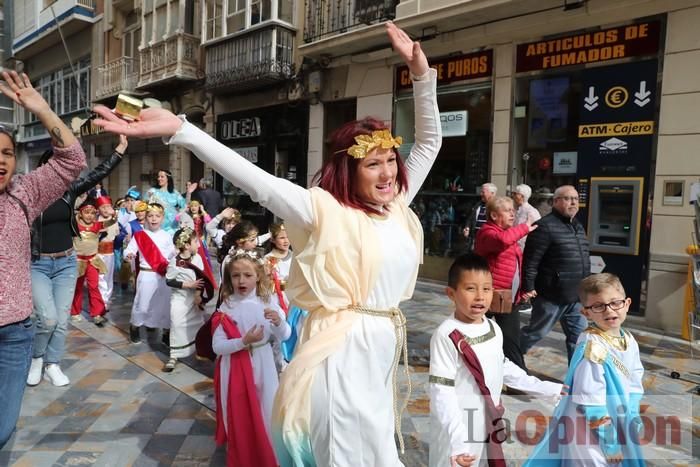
(76, 318)
(54, 374)
(34, 376)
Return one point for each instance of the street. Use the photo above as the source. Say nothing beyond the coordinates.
(122, 410)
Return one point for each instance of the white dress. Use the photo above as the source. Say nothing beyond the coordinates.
(352, 419)
(247, 312)
(185, 317)
(457, 411)
(152, 301)
(106, 281)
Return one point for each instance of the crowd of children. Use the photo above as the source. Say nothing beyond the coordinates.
(255, 327)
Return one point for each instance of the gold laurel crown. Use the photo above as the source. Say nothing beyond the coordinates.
(379, 139)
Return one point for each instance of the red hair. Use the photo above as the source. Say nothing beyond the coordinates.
(337, 175)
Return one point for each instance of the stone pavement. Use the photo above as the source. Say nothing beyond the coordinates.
(122, 410)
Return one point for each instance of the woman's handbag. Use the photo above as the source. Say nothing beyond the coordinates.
(502, 302)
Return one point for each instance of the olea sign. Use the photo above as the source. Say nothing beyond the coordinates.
(240, 128)
(454, 123)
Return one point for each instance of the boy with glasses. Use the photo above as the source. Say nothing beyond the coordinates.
(605, 377)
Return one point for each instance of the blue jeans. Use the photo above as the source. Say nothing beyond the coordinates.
(545, 314)
(53, 284)
(15, 351)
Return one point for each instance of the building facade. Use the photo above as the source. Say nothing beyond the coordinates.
(592, 93)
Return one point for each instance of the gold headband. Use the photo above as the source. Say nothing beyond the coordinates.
(155, 207)
(379, 139)
(194, 202)
(141, 206)
(183, 238)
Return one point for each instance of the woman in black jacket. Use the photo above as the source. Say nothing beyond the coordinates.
(53, 271)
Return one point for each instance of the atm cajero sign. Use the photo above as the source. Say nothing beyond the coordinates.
(608, 44)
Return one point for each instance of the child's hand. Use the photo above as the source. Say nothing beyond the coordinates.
(564, 390)
(614, 458)
(198, 284)
(130, 256)
(228, 213)
(254, 334)
(273, 316)
(462, 460)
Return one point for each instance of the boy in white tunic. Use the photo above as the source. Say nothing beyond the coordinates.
(154, 247)
(465, 403)
(599, 423)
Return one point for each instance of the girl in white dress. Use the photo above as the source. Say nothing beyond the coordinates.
(357, 251)
(186, 314)
(246, 300)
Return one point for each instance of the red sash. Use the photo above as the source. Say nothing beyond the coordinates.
(209, 283)
(278, 291)
(151, 253)
(207, 266)
(494, 414)
(247, 442)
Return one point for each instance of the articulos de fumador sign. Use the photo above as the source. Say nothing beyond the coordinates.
(607, 44)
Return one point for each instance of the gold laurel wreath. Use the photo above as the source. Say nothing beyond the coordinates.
(380, 139)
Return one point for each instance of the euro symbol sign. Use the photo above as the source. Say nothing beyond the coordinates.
(616, 97)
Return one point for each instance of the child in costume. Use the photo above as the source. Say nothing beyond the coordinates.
(243, 236)
(229, 217)
(279, 260)
(152, 248)
(194, 217)
(247, 320)
(90, 265)
(192, 289)
(106, 249)
(605, 377)
(467, 372)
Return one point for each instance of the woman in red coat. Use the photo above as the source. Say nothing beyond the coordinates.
(497, 241)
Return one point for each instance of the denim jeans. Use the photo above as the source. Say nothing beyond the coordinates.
(545, 314)
(15, 351)
(53, 283)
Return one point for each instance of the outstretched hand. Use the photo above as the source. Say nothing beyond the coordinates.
(152, 123)
(410, 51)
(20, 90)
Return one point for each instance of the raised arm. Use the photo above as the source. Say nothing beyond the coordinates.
(85, 183)
(43, 186)
(428, 131)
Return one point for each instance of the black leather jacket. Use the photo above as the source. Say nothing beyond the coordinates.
(556, 258)
(77, 188)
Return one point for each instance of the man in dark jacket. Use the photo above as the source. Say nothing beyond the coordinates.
(210, 199)
(556, 258)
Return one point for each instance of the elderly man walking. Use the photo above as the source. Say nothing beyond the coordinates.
(556, 258)
(477, 216)
(209, 198)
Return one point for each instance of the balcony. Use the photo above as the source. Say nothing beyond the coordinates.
(176, 58)
(120, 75)
(40, 32)
(251, 59)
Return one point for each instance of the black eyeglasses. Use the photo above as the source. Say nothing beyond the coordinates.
(600, 307)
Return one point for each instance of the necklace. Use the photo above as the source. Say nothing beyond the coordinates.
(617, 342)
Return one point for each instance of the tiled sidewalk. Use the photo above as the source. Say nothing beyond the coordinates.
(122, 410)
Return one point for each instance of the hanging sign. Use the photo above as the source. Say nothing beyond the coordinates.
(459, 68)
(633, 40)
(454, 123)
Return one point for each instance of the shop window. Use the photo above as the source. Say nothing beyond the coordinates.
(451, 187)
(545, 139)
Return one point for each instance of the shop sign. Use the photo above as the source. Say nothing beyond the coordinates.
(454, 123)
(240, 128)
(565, 162)
(249, 153)
(605, 130)
(450, 69)
(609, 44)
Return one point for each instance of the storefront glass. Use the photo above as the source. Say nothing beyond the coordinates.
(451, 188)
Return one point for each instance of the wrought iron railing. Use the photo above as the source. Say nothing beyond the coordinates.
(118, 75)
(87, 3)
(326, 18)
(251, 59)
(175, 57)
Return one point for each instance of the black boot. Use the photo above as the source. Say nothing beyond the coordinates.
(165, 338)
(134, 334)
